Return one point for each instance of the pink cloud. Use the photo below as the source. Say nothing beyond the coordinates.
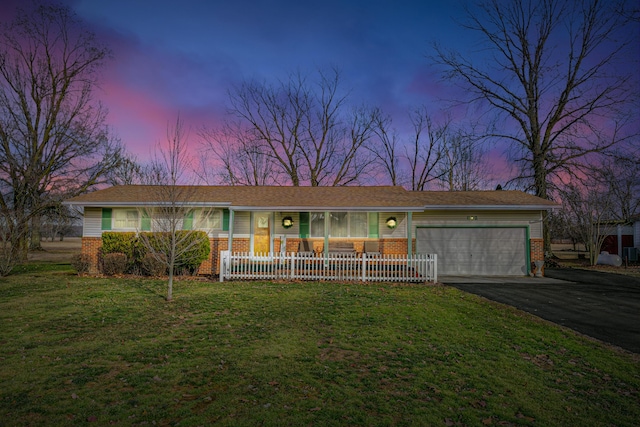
(145, 90)
(141, 120)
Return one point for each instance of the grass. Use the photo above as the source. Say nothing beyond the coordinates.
(77, 350)
(567, 257)
(632, 270)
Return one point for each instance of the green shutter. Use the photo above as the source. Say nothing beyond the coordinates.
(373, 225)
(187, 222)
(304, 224)
(145, 223)
(106, 218)
(225, 220)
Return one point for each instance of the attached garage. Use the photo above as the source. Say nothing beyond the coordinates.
(494, 251)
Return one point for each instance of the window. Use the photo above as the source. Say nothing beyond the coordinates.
(316, 221)
(125, 219)
(209, 219)
(341, 224)
(358, 224)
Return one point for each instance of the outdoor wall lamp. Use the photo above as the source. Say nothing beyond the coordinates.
(392, 222)
(287, 222)
(472, 217)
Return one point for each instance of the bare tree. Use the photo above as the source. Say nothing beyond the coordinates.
(127, 172)
(555, 78)
(53, 138)
(10, 231)
(412, 160)
(239, 157)
(296, 132)
(562, 226)
(424, 150)
(170, 242)
(385, 148)
(608, 193)
(463, 165)
(58, 221)
(586, 208)
(622, 178)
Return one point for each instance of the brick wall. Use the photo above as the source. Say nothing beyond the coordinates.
(537, 249)
(396, 246)
(293, 244)
(387, 246)
(91, 246)
(222, 244)
(207, 265)
(537, 253)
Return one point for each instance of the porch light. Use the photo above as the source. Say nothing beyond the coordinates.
(287, 222)
(472, 217)
(392, 222)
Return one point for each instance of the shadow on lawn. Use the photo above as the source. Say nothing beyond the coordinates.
(153, 287)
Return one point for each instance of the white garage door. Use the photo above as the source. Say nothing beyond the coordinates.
(481, 251)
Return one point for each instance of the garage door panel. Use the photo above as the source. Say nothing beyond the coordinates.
(484, 251)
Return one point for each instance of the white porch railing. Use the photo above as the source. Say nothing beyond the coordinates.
(334, 266)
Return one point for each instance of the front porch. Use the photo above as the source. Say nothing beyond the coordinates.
(328, 266)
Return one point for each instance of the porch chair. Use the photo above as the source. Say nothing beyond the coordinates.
(306, 248)
(372, 248)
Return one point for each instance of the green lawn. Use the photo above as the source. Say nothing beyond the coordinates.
(78, 350)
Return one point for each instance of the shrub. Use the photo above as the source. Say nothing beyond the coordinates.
(81, 263)
(193, 248)
(114, 263)
(126, 243)
(152, 266)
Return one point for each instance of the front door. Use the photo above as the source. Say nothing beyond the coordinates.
(261, 232)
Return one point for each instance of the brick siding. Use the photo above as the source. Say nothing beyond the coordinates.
(396, 246)
(211, 266)
(91, 246)
(537, 249)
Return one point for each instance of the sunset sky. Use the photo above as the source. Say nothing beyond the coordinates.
(181, 57)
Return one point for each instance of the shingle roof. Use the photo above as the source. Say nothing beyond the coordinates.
(481, 199)
(260, 197)
(314, 198)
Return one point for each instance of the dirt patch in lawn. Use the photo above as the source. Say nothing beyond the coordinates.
(57, 251)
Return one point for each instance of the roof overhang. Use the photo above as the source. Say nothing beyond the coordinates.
(251, 208)
(328, 208)
(147, 204)
(490, 207)
(320, 208)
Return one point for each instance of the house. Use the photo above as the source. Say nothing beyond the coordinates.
(476, 232)
(616, 235)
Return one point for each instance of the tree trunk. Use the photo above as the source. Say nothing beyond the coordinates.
(35, 236)
(541, 189)
(170, 285)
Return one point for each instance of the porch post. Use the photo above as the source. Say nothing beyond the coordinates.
(409, 237)
(326, 237)
(230, 239)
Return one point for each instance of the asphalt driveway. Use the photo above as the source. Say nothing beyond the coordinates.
(601, 305)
